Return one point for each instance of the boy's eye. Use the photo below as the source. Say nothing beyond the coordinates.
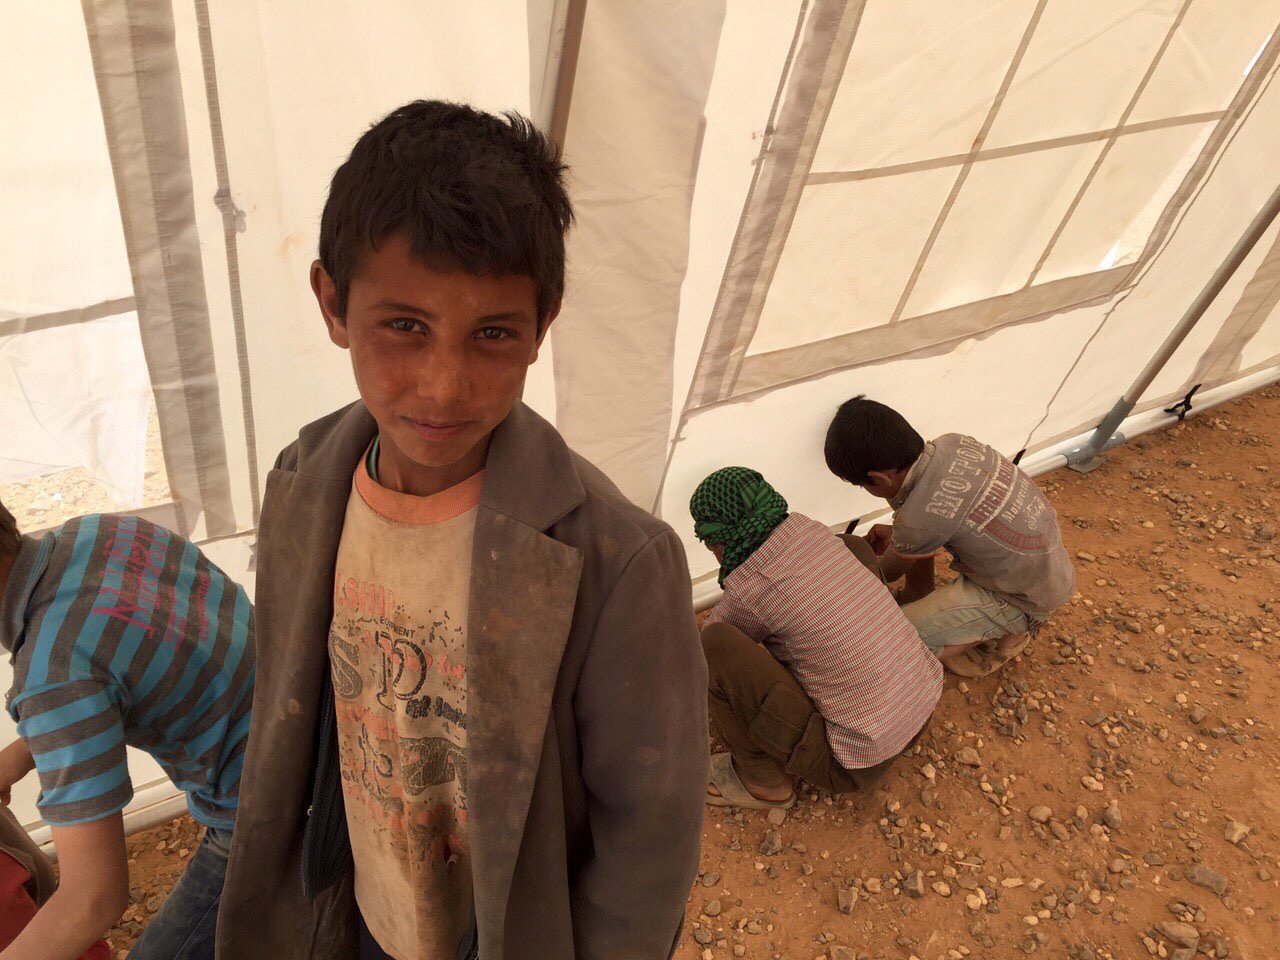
(493, 333)
(403, 324)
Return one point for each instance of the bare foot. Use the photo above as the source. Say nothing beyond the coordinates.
(769, 794)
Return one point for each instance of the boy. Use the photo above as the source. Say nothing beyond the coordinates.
(122, 633)
(991, 517)
(480, 722)
(27, 881)
(815, 672)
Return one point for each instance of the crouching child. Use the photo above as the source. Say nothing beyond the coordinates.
(956, 493)
(815, 674)
(123, 634)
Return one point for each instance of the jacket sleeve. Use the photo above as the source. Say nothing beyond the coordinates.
(641, 706)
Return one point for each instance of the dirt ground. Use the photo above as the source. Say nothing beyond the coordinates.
(54, 498)
(1111, 794)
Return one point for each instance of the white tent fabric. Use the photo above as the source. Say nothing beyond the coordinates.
(988, 213)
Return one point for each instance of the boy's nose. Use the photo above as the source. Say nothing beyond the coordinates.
(443, 378)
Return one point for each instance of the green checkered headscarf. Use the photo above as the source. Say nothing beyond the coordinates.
(735, 507)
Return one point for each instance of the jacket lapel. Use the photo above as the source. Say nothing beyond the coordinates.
(302, 518)
(524, 587)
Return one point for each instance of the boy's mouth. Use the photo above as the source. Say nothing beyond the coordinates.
(437, 429)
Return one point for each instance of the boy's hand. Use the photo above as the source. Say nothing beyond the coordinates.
(879, 536)
(15, 763)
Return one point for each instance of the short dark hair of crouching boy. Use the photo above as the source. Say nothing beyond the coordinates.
(9, 536)
(866, 436)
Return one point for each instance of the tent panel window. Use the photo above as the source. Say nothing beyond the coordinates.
(1214, 49)
(848, 255)
(1086, 59)
(81, 434)
(1002, 219)
(62, 245)
(920, 81)
(1120, 207)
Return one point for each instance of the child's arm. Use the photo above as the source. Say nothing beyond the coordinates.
(917, 570)
(15, 763)
(93, 892)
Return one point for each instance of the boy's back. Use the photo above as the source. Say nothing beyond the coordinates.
(1000, 529)
(125, 632)
(824, 615)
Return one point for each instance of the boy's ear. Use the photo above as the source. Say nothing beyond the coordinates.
(327, 298)
(880, 476)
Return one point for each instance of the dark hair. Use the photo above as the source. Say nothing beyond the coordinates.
(9, 537)
(471, 190)
(865, 436)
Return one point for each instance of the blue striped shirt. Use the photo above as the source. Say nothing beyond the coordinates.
(123, 633)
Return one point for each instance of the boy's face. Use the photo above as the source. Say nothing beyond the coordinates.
(440, 358)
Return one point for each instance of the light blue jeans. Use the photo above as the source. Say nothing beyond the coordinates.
(962, 612)
(185, 926)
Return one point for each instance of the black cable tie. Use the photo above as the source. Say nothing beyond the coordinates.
(1183, 406)
(1017, 457)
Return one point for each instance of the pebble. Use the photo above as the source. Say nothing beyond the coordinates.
(914, 885)
(846, 897)
(1040, 814)
(772, 843)
(1183, 934)
(1207, 878)
(710, 879)
(942, 889)
(777, 816)
(1111, 816)
(1236, 832)
(969, 757)
(712, 909)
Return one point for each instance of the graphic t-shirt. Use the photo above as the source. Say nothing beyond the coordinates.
(398, 652)
(1000, 530)
(126, 634)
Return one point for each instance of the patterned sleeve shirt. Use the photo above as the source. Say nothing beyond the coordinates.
(836, 627)
(1000, 530)
(124, 634)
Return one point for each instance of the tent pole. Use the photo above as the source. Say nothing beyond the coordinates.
(557, 93)
(1089, 455)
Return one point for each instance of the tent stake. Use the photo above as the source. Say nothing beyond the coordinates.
(1089, 456)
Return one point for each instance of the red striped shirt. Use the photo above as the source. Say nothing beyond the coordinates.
(821, 613)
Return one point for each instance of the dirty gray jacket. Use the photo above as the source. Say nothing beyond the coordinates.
(587, 732)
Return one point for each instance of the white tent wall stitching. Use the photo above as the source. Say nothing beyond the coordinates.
(988, 213)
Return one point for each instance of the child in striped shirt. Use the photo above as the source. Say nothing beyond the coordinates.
(122, 633)
(815, 673)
